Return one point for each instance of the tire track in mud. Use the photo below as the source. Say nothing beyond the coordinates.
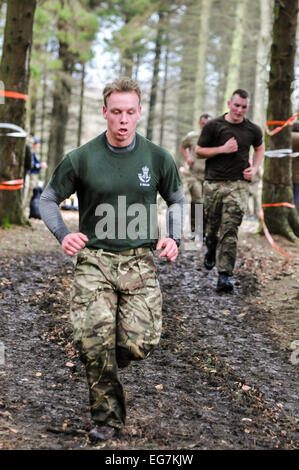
(214, 382)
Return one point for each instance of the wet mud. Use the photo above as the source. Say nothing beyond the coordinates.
(218, 380)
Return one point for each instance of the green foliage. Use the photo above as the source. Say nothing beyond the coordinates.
(6, 223)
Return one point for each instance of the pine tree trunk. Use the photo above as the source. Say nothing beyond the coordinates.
(262, 59)
(14, 73)
(186, 92)
(60, 110)
(277, 180)
(80, 120)
(33, 106)
(232, 80)
(164, 93)
(155, 80)
(43, 115)
(201, 60)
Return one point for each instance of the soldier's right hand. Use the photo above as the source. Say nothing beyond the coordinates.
(73, 242)
(230, 146)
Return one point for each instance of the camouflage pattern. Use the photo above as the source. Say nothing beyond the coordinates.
(194, 186)
(193, 176)
(116, 312)
(225, 203)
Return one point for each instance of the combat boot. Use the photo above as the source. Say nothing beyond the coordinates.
(224, 283)
(102, 433)
(210, 259)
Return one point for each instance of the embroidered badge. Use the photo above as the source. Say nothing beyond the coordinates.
(144, 177)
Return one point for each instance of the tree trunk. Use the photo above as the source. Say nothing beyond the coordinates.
(60, 110)
(33, 105)
(81, 105)
(164, 93)
(155, 80)
(186, 92)
(262, 59)
(201, 60)
(277, 180)
(43, 115)
(14, 73)
(232, 80)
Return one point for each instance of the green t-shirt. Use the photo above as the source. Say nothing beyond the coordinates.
(117, 192)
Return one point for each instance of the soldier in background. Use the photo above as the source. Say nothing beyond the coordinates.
(225, 143)
(194, 173)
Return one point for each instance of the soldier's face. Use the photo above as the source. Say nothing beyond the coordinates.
(122, 113)
(238, 107)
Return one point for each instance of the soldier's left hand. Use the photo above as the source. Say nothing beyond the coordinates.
(170, 248)
(249, 173)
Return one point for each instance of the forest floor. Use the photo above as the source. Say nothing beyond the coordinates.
(224, 377)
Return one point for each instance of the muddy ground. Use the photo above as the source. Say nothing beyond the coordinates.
(224, 376)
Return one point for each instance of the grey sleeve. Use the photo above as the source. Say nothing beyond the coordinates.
(176, 214)
(50, 213)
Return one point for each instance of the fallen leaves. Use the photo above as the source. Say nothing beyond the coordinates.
(226, 312)
(69, 364)
(5, 282)
(159, 387)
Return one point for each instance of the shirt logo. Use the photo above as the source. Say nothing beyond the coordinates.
(144, 177)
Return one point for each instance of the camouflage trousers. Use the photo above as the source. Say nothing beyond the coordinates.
(195, 188)
(225, 203)
(116, 312)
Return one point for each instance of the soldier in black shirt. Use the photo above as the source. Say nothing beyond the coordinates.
(225, 144)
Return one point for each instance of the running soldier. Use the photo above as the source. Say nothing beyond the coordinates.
(116, 307)
(225, 143)
(194, 174)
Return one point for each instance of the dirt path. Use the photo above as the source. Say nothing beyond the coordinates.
(221, 377)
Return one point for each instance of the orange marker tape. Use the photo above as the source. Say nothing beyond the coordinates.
(11, 185)
(289, 122)
(277, 123)
(266, 231)
(13, 94)
(277, 204)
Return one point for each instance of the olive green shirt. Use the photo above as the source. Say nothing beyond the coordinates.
(117, 191)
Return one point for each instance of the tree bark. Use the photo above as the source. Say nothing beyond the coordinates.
(232, 80)
(186, 91)
(155, 80)
(14, 73)
(43, 114)
(277, 179)
(80, 121)
(164, 93)
(201, 60)
(262, 59)
(60, 110)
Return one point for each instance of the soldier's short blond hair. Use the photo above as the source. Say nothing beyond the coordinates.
(123, 84)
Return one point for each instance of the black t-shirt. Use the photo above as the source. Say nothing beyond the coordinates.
(229, 166)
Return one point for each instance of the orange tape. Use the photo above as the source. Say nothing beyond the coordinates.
(275, 123)
(289, 122)
(266, 231)
(11, 185)
(13, 94)
(277, 204)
